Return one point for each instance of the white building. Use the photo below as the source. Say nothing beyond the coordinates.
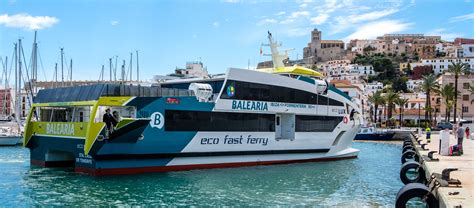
(344, 70)
(467, 50)
(414, 85)
(372, 87)
(193, 70)
(441, 64)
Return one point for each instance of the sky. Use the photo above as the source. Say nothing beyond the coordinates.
(221, 34)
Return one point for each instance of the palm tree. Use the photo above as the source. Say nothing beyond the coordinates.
(457, 69)
(401, 105)
(471, 90)
(376, 99)
(429, 85)
(390, 98)
(447, 92)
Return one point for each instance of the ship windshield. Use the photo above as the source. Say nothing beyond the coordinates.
(62, 114)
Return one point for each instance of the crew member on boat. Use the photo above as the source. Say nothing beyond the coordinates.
(109, 121)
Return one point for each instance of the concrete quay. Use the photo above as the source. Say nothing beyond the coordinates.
(465, 172)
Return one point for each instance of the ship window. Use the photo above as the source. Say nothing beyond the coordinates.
(64, 114)
(123, 112)
(316, 123)
(271, 93)
(176, 120)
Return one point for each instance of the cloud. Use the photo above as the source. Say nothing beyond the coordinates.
(373, 29)
(297, 32)
(320, 19)
(230, 1)
(345, 22)
(304, 5)
(281, 13)
(445, 35)
(28, 22)
(297, 14)
(294, 16)
(114, 22)
(267, 21)
(462, 18)
(370, 16)
(216, 24)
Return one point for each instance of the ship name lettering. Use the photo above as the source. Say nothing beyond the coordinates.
(60, 129)
(249, 105)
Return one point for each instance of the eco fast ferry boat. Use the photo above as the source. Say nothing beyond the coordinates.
(247, 117)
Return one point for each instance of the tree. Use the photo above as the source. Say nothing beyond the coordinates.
(457, 69)
(401, 102)
(429, 85)
(399, 84)
(390, 98)
(447, 93)
(420, 71)
(376, 99)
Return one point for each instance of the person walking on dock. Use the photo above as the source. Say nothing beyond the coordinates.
(468, 133)
(460, 135)
(428, 134)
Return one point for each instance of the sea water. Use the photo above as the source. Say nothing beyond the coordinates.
(370, 180)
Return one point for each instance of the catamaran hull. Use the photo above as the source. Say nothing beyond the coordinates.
(66, 152)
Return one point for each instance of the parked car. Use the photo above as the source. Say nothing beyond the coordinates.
(444, 125)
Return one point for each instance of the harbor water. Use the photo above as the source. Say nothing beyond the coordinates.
(370, 180)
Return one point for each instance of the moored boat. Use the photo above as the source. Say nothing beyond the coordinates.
(244, 118)
(9, 138)
(370, 133)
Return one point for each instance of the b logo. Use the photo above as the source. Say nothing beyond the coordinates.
(157, 120)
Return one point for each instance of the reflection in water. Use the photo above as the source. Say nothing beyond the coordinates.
(366, 181)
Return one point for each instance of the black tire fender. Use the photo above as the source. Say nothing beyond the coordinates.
(408, 147)
(412, 165)
(413, 190)
(409, 155)
(407, 143)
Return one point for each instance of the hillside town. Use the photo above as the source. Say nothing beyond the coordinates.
(387, 76)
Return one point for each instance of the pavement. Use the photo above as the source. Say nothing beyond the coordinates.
(465, 172)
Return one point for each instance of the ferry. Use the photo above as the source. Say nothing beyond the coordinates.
(244, 118)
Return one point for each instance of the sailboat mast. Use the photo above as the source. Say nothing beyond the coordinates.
(115, 68)
(123, 71)
(55, 74)
(17, 113)
(131, 66)
(138, 71)
(16, 80)
(70, 73)
(62, 67)
(110, 69)
(34, 70)
(101, 78)
(5, 111)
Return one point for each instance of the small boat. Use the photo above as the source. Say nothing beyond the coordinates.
(8, 138)
(370, 133)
